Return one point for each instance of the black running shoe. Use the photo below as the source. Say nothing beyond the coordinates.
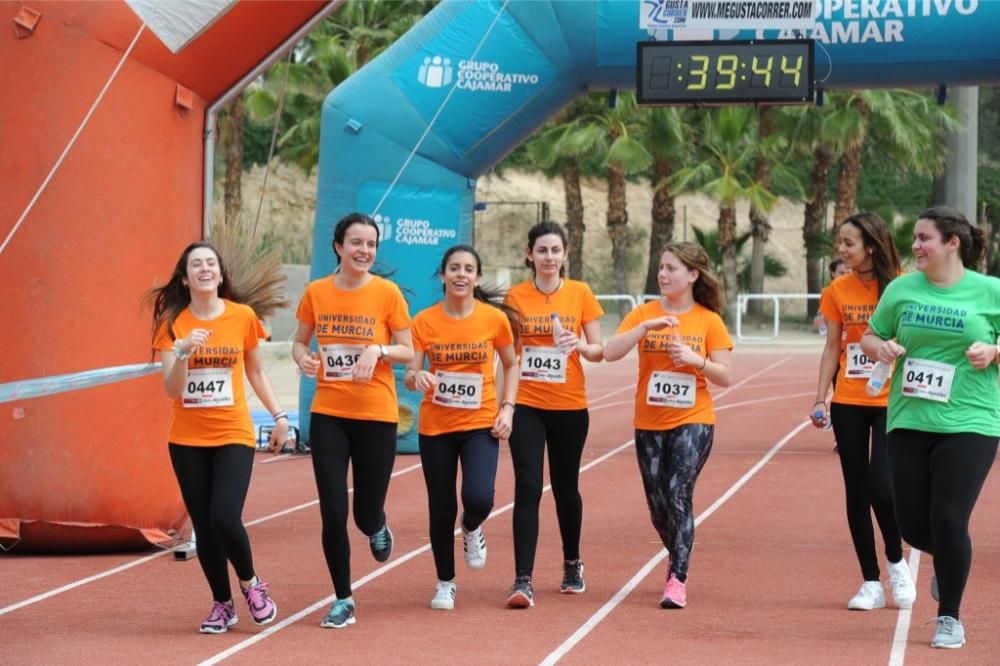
(572, 582)
(381, 544)
(522, 595)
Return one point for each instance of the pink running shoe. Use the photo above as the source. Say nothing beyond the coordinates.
(222, 616)
(262, 607)
(674, 593)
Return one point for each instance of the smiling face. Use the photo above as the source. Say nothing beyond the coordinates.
(674, 276)
(357, 252)
(547, 255)
(851, 248)
(461, 274)
(929, 247)
(203, 274)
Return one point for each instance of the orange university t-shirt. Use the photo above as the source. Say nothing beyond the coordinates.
(666, 396)
(849, 302)
(460, 352)
(212, 410)
(548, 378)
(344, 323)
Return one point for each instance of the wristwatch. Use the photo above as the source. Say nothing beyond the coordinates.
(382, 353)
(181, 356)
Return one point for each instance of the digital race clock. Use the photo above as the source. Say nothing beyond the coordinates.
(736, 72)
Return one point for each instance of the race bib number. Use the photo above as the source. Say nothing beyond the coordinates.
(859, 366)
(928, 380)
(543, 364)
(208, 387)
(458, 390)
(339, 361)
(671, 389)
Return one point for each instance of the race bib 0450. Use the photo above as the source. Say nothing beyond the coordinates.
(458, 390)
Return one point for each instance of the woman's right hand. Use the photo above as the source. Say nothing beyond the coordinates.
(890, 351)
(309, 364)
(819, 415)
(424, 381)
(195, 341)
(666, 321)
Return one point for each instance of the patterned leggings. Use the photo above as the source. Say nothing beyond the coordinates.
(670, 462)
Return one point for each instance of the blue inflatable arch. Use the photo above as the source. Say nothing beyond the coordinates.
(406, 137)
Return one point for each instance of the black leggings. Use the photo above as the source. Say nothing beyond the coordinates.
(936, 479)
(214, 482)
(867, 486)
(370, 449)
(440, 455)
(670, 462)
(566, 433)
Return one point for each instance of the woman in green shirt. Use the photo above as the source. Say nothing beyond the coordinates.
(940, 326)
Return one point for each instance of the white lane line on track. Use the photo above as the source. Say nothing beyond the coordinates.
(143, 560)
(612, 603)
(902, 634)
(124, 567)
(305, 612)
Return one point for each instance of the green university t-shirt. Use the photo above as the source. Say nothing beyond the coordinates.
(938, 325)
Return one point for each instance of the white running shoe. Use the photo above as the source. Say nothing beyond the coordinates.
(904, 592)
(475, 548)
(444, 595)
(869, 597)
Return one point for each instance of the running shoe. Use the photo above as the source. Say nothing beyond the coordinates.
(262, 608)
(572, 582)
(950, 633)
(341, 614)
(475, 548)
(221, 617)
(522, 594)
(674, 593)
(869, 597)
(381, 544)
(444, 595)
(904, 592)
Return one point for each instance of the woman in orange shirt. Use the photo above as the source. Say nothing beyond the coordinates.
(865, 244)
(460, 420)
(551, 404)
(683, 344)
(362, 326)
(207, 340)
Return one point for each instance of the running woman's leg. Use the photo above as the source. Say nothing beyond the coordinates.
(331, 449)
(527, 452)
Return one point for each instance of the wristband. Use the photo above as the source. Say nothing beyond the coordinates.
(704, 363)
(279, 415)
(505, 403)
(181, 356)
(382, 352)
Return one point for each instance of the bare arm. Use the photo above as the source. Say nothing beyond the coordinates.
(262, 387)
(593, 349)
(827, 368)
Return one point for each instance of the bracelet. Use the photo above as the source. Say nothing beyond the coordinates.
(181, 356)
(504, 403)
(705, 362)
(819, 402)
(279, 415)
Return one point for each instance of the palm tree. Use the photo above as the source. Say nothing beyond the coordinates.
(666, 137)
(368, 27)
(773, 267)
(724, 170)
(231, 142)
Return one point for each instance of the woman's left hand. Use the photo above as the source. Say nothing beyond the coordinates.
(364, 368)
(504, 422)
(279, 436)
(568, 342)
(981, 355)
(683, 356)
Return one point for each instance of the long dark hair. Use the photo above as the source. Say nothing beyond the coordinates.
(543, 229)
(950, 223)
(168, 301)
(875, 236)
(487, 294)
(707, 289)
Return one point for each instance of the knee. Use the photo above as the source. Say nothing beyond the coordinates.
(225, 520)
(478, 504)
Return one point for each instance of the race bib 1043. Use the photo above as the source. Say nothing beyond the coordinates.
(543, 364)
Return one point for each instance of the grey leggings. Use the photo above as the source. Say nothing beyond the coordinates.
(670, 462)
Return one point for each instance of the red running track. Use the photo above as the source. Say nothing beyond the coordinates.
(770, 576)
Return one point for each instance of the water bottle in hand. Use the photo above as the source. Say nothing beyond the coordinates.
(557, 330)
(880, 373)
